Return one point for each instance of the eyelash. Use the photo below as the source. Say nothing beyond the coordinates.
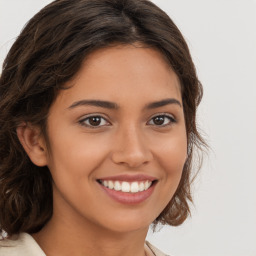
(162, 115)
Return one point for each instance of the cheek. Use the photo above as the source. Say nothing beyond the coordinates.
(172, 155)
(72, 165)
(76, 156)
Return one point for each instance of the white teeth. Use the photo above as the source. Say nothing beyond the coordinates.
(117, 186)
(141, 187)
(135, 187)
(147, 184)
(125, 186)
(110, 184)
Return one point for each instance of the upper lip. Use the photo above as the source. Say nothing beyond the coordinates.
(125, 177)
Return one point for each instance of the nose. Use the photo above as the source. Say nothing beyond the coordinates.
(131, 149)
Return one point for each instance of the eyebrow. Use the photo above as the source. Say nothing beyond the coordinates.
(163, 103)
(112, 105)
(96, 103)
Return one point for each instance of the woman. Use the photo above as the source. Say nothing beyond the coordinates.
(98, 126)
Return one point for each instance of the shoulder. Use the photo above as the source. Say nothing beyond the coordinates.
(20, 245)
(155, 250)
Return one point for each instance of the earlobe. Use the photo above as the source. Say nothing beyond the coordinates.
(33, 143)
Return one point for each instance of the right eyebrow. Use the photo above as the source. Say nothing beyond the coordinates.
(96, 103)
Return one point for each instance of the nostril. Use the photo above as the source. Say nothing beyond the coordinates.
(131, 159)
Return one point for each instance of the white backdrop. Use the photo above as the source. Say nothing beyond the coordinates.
(222, 37)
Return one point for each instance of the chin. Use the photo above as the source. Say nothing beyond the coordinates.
(129, 222)
(128, 226)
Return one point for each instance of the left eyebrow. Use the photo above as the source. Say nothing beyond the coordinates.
(163, 103)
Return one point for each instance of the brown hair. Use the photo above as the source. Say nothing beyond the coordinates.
(48, 53)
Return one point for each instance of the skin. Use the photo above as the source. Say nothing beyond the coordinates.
(127, 141)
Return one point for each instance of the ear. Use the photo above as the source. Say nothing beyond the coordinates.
(33, 143)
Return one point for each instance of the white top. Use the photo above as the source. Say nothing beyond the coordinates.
(25, 245)
(20, 245)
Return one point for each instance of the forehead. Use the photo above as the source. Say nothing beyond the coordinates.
(124, 73)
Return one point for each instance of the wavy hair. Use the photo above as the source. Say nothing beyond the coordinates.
(49, 52)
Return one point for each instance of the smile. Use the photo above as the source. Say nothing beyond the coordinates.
(128, 189)
(126, 186)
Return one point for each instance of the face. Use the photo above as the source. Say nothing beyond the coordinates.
(117, 140)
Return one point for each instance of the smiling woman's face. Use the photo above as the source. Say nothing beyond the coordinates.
(118, 140)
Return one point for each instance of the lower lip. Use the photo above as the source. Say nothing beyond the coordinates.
(129, 198)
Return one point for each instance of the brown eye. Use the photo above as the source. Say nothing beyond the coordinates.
(162, 120)
(159, 120)
(94, 121)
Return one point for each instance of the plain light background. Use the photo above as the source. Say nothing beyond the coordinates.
(221, 35)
